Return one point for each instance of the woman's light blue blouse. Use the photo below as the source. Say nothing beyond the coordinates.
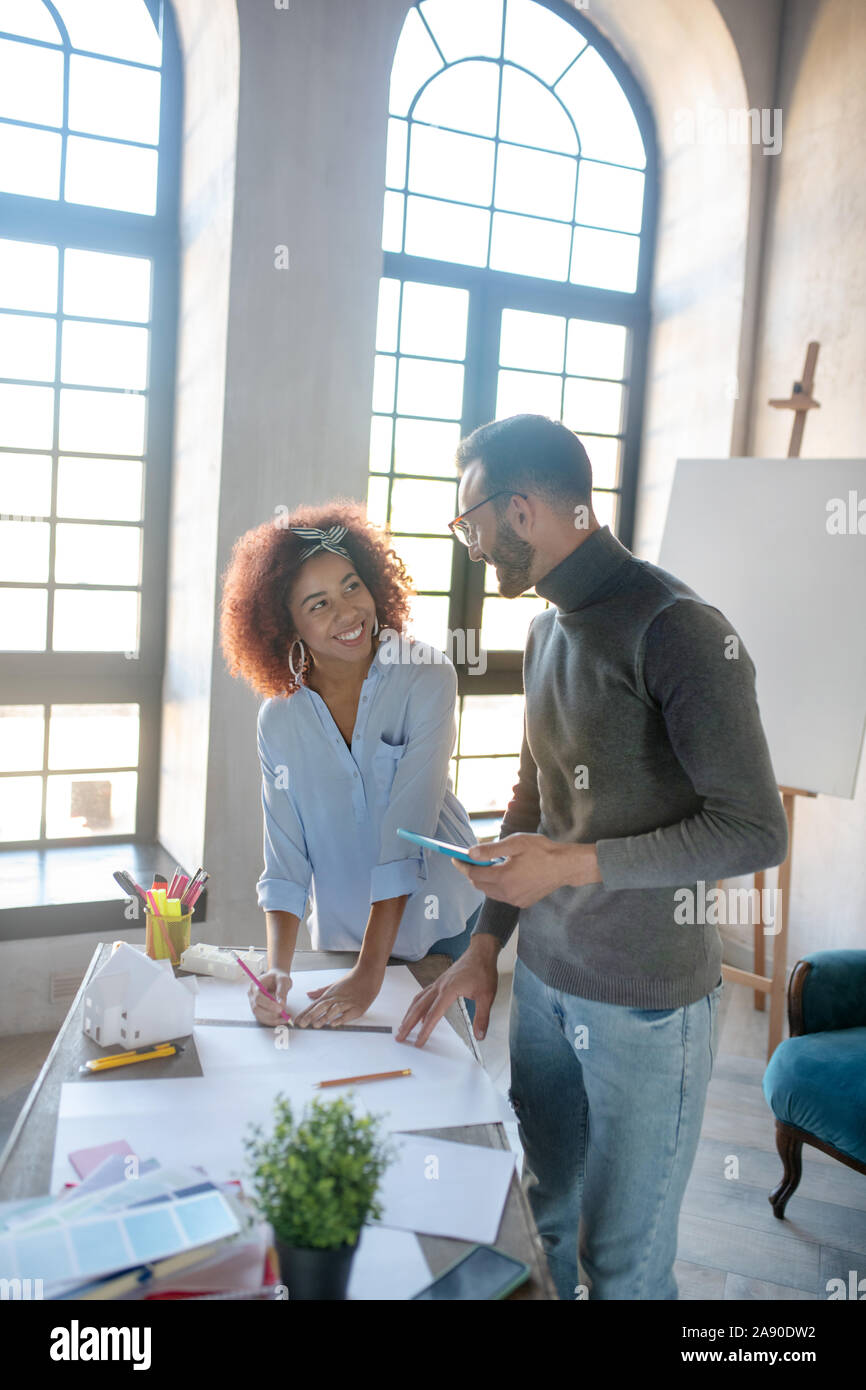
(331, 813)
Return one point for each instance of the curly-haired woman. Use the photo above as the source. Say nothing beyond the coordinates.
(352, 744)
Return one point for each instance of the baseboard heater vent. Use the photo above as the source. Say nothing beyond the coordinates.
(64, 988)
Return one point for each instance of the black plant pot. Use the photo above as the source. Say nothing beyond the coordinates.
(310, 1274)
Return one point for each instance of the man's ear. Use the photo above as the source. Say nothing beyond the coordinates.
(524, 515)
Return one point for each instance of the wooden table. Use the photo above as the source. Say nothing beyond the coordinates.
(25, 1165)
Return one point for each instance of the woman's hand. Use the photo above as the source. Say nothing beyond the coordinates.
(342, 1001)
(278, 983)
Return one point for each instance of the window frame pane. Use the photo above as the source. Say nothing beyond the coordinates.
(53, 226)
(490, 293)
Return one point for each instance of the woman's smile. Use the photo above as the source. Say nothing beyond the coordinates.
(353, 636)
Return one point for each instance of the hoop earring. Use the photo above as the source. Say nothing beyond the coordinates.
(376, 626)
(297, 674)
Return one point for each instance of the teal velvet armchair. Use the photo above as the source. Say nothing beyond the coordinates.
(815, 1082)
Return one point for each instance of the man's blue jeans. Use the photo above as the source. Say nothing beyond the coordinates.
(609, 1102)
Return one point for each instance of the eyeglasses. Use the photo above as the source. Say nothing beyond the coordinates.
(461, 529)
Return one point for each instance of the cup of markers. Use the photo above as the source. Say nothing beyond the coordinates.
(168, 910)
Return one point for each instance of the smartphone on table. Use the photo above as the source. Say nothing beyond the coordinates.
(482, 1274)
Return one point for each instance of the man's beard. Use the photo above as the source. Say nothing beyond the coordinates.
(514, 559)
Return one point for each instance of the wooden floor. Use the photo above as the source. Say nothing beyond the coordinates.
(731, 1246)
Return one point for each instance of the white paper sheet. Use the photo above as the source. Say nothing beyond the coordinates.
(202, 1120)
(447, 1189)
(399, 988)
(333, 1052)
(387, 1265)
(222, 998)
(228, 1049)
(230, 999)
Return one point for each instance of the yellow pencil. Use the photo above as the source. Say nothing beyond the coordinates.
(375, 1076)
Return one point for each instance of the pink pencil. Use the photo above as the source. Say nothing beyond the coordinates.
(247, 971)
(189, 890)
(197, 890)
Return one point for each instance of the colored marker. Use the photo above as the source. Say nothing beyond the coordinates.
(190, 888)
(193, 888)
(197, 891)
(157, 917)
(129, 885)
(191, 884)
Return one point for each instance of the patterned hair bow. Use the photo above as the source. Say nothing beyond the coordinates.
(321, 540)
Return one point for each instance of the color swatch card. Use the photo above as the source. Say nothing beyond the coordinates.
(85, 1161)
(92, 1248)
(161, 1184)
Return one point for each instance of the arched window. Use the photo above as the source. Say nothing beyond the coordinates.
(517, 238)
(89, 131)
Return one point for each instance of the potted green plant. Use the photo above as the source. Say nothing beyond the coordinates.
(315, 1180)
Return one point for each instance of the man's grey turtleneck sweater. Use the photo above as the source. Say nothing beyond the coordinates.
(642, 736)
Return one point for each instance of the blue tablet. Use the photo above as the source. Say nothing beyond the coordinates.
(453, 851)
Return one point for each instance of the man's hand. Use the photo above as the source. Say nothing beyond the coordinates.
(342, 1001)
(474, 976)
(536, 867)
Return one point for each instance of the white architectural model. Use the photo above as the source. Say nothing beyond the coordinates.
(135, 1001)
(219, 962)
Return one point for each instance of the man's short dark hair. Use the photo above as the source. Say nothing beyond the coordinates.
(530, 453)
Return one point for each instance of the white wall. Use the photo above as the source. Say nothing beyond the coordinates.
(814, 287)
(27, 967)
(693, 56)
(208, 32)
(300, 342)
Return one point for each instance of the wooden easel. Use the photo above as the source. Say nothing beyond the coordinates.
(800, 401)
(774, 984)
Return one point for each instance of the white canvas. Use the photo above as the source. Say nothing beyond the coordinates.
(751, 537)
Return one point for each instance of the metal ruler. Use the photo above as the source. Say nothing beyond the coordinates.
(325, 1027)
